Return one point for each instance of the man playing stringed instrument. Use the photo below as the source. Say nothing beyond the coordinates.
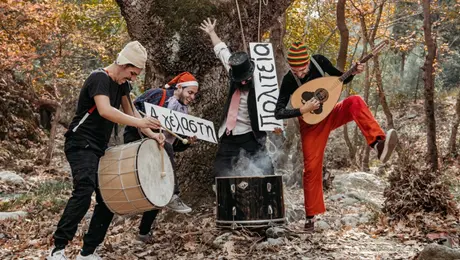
(314, 136)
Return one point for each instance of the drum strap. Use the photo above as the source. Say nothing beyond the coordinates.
(163, 98)
(317, 66)
(91, 110)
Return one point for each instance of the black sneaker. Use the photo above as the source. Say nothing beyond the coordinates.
(145, 238)
(386, 147)
(309, 225)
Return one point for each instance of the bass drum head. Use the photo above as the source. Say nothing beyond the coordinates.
(157, 189)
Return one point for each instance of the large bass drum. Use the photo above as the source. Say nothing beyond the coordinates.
(135, 177)
(250, 201)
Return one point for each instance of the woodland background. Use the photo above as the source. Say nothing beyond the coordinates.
(48, 47)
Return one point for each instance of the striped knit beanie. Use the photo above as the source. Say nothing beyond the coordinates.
(298, 55)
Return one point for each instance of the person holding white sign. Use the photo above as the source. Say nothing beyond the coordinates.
(176, 95)
(305, 68)
(239, 131)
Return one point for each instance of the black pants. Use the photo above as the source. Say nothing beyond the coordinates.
(149, 216)
(84, 164)
(233, 148)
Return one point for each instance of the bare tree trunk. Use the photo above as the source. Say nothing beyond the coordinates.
(57, 115)
(382, 97)
(378, 72)
(282, 145)
(452, 148)
(344, 35)
(428, 78)
(416, 86)
(276, 38)
(367, 84)
(403, 63)
(170, 32)
(341, 61)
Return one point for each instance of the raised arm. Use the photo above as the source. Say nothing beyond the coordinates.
(220, 48)
(208, 27)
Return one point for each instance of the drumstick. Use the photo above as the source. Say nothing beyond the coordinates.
(183, 140)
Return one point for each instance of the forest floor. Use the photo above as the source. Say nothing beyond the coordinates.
(352, 228)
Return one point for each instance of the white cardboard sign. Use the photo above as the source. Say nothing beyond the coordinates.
(266, 85)
(183, 124)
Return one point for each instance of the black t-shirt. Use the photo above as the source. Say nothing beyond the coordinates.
(289, 85)
(95, 131)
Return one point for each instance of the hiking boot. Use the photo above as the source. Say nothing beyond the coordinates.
(58, 255)
(309, 225)
(385, 148)
(92, 256)
(178, 205)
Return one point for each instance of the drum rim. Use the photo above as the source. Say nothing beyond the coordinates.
(137, 175)
(141, 141)
(251, 221)
(245, 177)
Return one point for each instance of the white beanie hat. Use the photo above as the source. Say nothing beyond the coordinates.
(133, 53)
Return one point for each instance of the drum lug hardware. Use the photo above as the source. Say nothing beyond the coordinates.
(269, 187)
(270, 212)
(243, 185)
(234, 226)
(233, 215)
(232, 187)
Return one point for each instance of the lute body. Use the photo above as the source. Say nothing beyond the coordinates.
(326, 90)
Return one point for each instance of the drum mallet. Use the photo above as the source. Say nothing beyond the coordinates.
(183, 140)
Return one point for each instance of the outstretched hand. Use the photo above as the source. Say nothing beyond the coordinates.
(208, 26)
(278, 130)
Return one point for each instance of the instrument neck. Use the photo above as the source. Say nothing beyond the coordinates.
(374, 52)
(353, 68)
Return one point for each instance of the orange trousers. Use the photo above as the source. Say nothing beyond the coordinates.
(314, 140)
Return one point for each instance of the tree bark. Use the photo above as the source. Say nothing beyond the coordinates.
(282, 145)
(452, 148)
(341, 62)
(55, 106)
(401, 72)
(378, 72)
(367, 84)
(428, 79)
(170, 32)
(344, 35)
(277, 33)
(416, 86)
(381, 92)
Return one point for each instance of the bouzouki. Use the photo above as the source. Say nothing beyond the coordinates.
(326, 90)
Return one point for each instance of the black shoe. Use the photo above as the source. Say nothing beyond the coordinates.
(309, 225)
(386, 147)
